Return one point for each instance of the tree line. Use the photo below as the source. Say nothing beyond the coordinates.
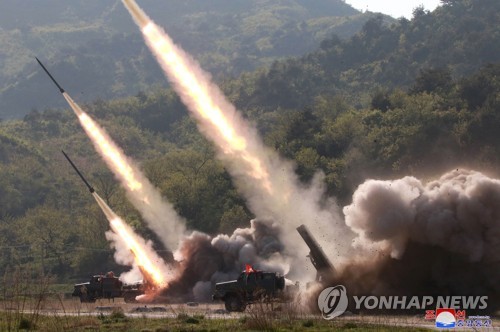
(445, 117)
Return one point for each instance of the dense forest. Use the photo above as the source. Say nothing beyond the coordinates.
(416, 97)
(94, 49)
(456, 39)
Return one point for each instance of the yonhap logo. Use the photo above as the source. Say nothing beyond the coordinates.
(332, 301)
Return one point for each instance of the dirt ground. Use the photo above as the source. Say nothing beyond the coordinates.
(73, 306)
(215, 310)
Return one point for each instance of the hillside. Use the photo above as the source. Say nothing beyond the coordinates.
(441, 113)
(93, 48)
(455, 39)
(45, 209)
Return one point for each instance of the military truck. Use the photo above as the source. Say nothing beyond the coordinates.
(250, 287)
(107, 287)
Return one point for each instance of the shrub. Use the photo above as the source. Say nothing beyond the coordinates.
(25, 324)
(350, 326)
(117, 314)
(192, 320)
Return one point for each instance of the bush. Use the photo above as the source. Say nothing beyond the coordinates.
(182, 316)
(192, 320)
(162, 329)
(25, 324)
(350, 326)
(117, 314)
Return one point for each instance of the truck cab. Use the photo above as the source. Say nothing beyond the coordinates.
(106, 287)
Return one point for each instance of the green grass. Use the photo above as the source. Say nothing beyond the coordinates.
(14, 321)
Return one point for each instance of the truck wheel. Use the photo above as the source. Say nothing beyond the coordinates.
(233, 303)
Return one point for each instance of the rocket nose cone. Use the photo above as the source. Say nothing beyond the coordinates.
(39, 62)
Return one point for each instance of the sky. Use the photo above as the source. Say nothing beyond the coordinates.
(395, 8)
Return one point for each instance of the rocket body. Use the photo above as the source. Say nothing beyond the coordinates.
(51, 77)
(91, 189)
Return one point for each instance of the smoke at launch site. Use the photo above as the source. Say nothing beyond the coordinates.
(269, 183)
(452, 223)
(204, 260)
(439, 238)
(272, 189)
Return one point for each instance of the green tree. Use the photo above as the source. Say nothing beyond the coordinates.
(232, 218)
(51, 236)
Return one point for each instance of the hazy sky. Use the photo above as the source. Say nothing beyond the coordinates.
(395, 8)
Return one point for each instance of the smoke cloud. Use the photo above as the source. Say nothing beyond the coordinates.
(269, 183)
(459, 213)
(439, 238)
(204, 260)
(406, 236)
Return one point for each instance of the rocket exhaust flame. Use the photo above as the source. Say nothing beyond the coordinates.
(386, 221)
(160, 215)
(198, 92)
(126, 241)
(106, 147)
(394, 226)
(268, 182)
(143, 256)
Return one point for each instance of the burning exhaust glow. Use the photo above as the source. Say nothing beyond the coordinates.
(450, 224)
(106, 147)
(130, 244)
(269, 183)
(196, 92)
(160, 215)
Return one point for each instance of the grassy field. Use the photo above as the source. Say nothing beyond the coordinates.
(59, 313)
(117, 321)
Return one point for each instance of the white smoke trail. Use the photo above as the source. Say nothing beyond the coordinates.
(458, 213)
(132, 250)
(159, 214)
(269, 183)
